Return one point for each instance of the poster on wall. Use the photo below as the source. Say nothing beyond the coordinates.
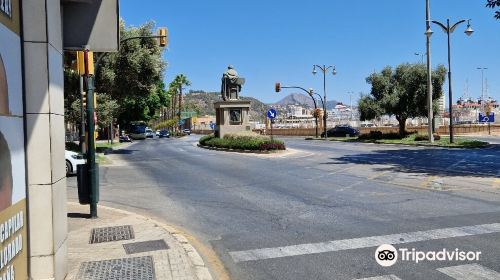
(13, 238)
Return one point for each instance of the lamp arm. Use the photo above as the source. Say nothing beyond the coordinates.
(445, 29)
(455, 25)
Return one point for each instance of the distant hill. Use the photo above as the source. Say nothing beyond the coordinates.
(203, 103)
(296, 99)
(304, 100)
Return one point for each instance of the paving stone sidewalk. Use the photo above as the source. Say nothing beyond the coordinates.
(123, 245)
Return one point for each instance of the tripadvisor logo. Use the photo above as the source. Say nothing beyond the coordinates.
(387, 255)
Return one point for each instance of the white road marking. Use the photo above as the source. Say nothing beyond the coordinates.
(363, 242)
(470, 272)
(383, 277)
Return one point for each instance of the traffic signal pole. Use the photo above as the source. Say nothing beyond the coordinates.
(91, 164)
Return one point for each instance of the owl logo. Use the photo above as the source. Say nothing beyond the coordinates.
(4, 90)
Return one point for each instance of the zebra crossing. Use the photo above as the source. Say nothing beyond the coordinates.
(472, 271)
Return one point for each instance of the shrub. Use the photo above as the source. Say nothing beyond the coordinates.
(422, 137)
(206, 138)
(243, 141)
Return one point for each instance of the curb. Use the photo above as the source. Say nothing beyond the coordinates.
(201, 270)
(240, 151)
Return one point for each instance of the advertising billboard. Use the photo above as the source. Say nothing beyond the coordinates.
(13, 238)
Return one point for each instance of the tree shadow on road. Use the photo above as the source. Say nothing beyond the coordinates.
(431, 161)
(123, 152)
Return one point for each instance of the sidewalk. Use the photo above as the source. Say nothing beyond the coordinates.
(127, 246)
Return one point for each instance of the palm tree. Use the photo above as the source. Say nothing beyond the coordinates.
(172, 92)
(180, 81)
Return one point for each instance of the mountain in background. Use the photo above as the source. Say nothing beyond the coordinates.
(203, 103)
(296, 99)
(304, 100)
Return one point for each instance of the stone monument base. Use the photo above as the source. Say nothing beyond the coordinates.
(231, 116)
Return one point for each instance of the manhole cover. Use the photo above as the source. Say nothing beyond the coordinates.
(107, 234)
(140, 268)
(146, 246)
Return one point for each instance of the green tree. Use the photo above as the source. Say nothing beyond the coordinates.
(133, 76)
(401, 92)
(178, 82)
(493, 4)
(106, 110)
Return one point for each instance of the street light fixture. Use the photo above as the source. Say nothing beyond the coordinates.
(421, 57)
(324, 69)
(449, 30)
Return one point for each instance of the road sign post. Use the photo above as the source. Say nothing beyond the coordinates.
(271, 114)
(489, 117)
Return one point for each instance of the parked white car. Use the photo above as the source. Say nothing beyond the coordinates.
(72, 161)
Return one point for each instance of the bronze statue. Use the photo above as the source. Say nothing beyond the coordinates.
(231, 84)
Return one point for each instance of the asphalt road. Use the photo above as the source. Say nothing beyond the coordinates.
(320, 210)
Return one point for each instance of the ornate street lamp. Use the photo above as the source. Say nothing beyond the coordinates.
(449, 30)
(324, 69)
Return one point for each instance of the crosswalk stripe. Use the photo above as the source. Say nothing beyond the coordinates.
(383, 277)
(364, 242)
(470, 272)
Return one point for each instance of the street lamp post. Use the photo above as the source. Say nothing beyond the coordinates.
(449, 30)
(428, 34)
(350, 102)
(324, 69)
(483, 99)
(421, 57)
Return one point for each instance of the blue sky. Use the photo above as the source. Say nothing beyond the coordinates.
(280, 40)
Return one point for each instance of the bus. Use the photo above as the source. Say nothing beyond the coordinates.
(137, 130)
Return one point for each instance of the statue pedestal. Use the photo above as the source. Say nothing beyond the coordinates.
(231, 116)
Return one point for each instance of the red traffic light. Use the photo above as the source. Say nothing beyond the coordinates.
(277, 87)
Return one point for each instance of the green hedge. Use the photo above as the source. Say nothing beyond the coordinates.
(244, 141)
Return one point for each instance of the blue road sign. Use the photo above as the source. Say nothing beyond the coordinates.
(489, 118)
(272, 113)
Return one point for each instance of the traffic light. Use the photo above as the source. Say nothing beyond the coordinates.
(80, 62)
(277, 87)
(317, 113)
(84, 99)
(163, 32)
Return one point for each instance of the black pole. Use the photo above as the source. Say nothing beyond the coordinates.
(324, 100)
(315, 116)
(82, 119)
(272, 121)
(450, 95)
(92, 172)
